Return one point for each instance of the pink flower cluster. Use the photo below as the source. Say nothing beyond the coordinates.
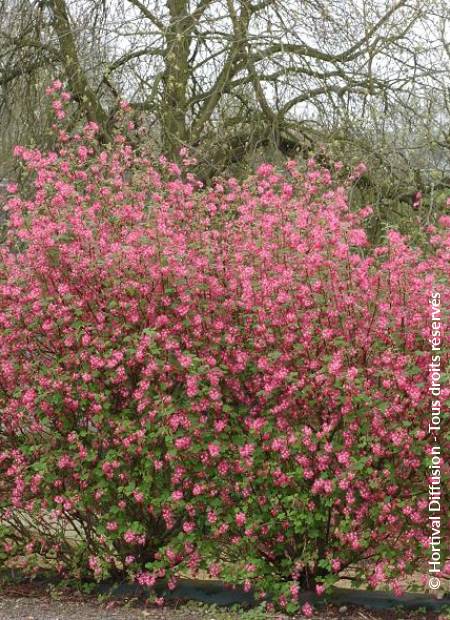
(187, 370)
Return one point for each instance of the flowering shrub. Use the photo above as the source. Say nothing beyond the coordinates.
(225, 378)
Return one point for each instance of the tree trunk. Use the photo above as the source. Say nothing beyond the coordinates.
(175, 81)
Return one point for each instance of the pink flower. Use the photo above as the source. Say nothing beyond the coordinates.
(112, 526)
(335, 565)
(214, 570)
(334, 367)
(214, 394)
(146, 578)
(213, 449)
(182, 443)
(357, 237)
(294, 590)
(264, 170)
(188, 527)
(444, 220)
(358, 171)
(138, 496)
(212, 516)
(129, 537)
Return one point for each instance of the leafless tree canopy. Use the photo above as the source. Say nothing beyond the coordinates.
(227, 77)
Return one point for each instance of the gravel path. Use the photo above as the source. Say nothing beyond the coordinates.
(48, 609)
(24, 603)
(41, 609)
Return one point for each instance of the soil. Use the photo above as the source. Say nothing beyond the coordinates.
(28, 602)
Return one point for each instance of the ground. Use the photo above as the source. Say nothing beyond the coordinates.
(29, 603)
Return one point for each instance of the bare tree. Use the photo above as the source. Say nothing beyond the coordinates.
(229, 76)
